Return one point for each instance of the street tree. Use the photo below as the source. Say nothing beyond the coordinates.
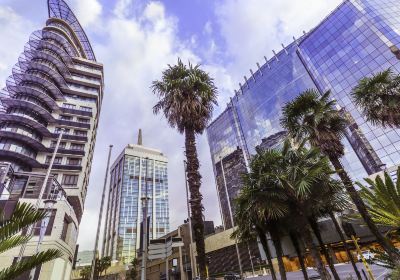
(187, 95)
(313, 117)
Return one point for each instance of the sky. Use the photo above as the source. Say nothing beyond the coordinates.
(136, 40)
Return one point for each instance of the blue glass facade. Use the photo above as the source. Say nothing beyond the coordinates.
(354, 41)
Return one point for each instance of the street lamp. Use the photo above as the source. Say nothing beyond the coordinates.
(48, 206)
(144, 205)
(100, 215)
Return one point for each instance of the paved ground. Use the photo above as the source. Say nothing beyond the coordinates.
(344, 271)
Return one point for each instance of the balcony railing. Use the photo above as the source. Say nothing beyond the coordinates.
(28, 185)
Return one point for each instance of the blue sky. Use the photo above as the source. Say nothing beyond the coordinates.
(135, 40)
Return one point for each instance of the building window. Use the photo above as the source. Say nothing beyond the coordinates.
(87, 109)
(65, 118)
(70, 180)
(65, 229)
(57, 130)
(57, 160)
(78, 147)
(61, 146)
(69, 106)
(83, 120)
(74, 161)
(80, 133)
(48, 228)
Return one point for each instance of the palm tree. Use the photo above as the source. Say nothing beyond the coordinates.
(382, 196)
(187, 95)
(305, 177)
(378, 97)
(296, 245)
(254, 218)
(23, 216)
(297, 179)
(248, 226)
(313, 117)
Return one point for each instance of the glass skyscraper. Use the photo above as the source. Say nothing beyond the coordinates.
(359, 38)
(57, 84)
(136, 169)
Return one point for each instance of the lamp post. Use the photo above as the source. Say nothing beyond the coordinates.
(42, 190)
(144, 204)
(100, 216)
(48, 206)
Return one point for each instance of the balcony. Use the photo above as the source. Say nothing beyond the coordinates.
(65, 167)
(71, 137)
(74, 124)
(25, 120)
(28, 185)
(42, 45)
(31, 89)
(54, 59)
(24, 137)
(25, 77)
(27, 104)
(19, 152)
(76, 112)
(67, 151)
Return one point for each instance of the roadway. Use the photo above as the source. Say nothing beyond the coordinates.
(345, 271)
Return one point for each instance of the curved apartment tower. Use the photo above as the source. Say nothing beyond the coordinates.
(57, 84)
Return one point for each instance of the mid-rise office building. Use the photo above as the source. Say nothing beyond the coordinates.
(359, 38)
(138, 171)
(57, 84)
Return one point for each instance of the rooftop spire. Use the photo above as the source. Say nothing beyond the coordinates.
(139, 140)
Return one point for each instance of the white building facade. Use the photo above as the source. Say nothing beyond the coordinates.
(56, 85)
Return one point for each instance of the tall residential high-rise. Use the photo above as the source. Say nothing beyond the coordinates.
(359, 38)
(57, 84)
(136, 169)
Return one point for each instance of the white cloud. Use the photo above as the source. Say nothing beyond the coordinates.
(135, 53)
(15, 31)
(135, 46)
(208, 29)
(252, 28)
(122, 8)
(87, 11)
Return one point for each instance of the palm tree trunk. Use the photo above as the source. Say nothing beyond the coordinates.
(346, 247)
(315, 254)
(194, 182)
(296, 246)
(362, 209)
(317, 233)
(264, 243)
(279, 253)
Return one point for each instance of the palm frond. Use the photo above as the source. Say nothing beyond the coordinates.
(24, 215)
(29, 263)
(378, 97)
(383, 199)
(314, 117)
(12, 242)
